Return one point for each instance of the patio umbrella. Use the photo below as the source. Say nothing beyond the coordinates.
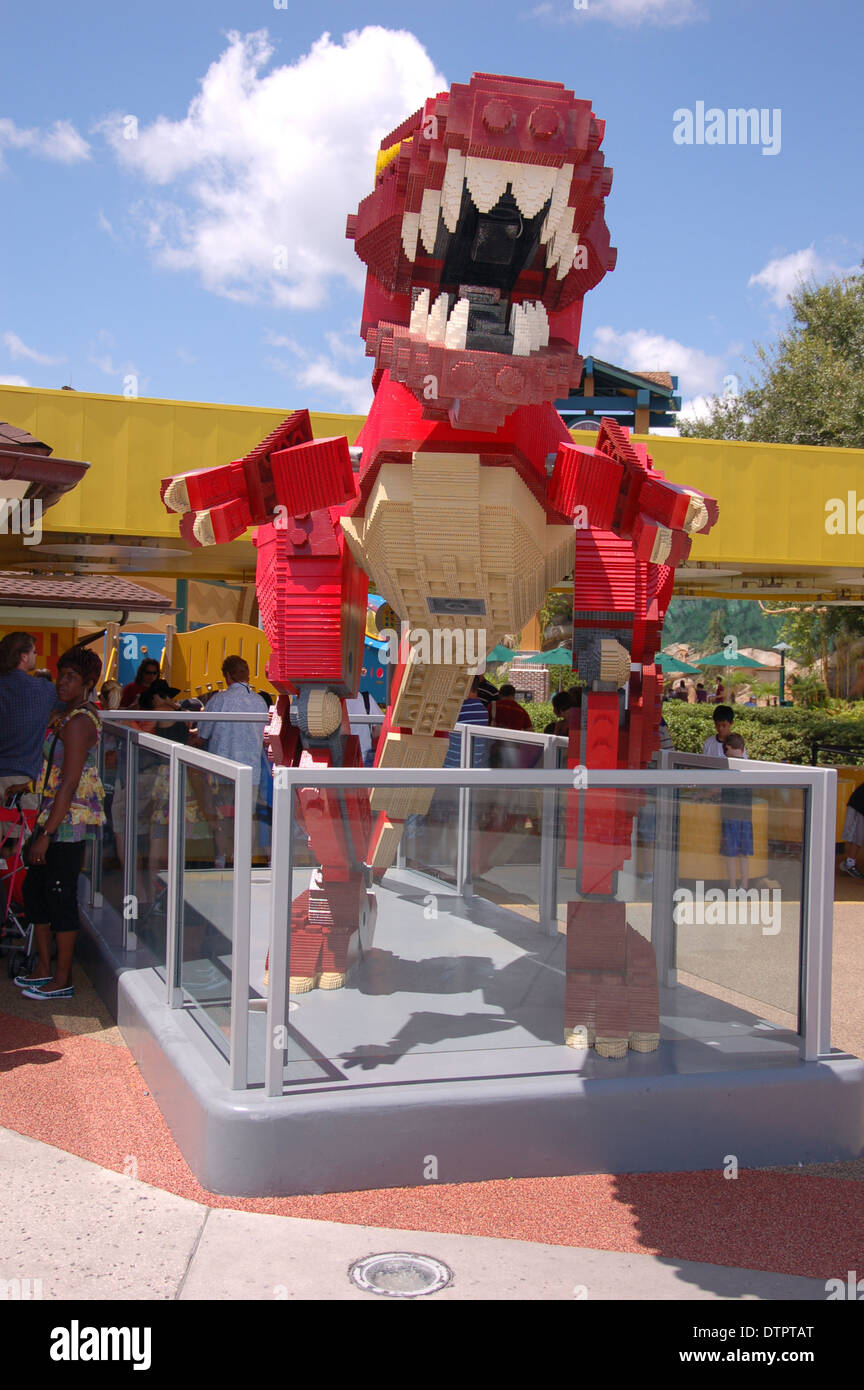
(721, 659)
(500, 653)
(670, 665)
(559, 656)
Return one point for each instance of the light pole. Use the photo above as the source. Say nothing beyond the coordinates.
(782, 648)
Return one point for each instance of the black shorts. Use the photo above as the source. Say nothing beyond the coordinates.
(50, 890)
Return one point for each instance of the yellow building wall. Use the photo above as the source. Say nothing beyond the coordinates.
(132, 444)
(772, 498)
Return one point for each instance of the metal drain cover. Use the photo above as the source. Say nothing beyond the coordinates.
(400, 1275)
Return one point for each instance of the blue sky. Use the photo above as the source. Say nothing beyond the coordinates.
(154, 160)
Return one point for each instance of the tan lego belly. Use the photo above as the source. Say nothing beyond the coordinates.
(452, 544)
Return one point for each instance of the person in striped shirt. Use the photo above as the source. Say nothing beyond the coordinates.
(473, 711)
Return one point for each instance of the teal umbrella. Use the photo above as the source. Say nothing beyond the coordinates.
(559, 656)
(670, 665)
(500, 653)
(721, 659)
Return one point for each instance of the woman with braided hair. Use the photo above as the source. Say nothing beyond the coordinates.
(70, 812)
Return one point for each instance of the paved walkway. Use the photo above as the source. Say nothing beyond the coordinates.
(116, 1238)
(69, 1081)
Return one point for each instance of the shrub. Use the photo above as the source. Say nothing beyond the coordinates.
(775, 734)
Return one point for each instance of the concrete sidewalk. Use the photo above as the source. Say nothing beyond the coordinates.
(89, 1233)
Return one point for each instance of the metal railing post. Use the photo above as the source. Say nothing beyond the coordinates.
(176, 856)
(464, 847)
(130, 845)
(241, 912)
(549, 811)
(281, 878)
(665, 865)
(817, 917)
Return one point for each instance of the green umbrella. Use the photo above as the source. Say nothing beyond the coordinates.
(670, 665)
(559, 656)
(500, 653)
(723, 659)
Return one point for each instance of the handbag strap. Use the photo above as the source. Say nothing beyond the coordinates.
(47, 772)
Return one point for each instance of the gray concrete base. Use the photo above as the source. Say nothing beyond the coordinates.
(441, 1062)
(381, 1133)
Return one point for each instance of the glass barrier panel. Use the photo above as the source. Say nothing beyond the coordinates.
(149, 909)
(205, 899)
(428, 984)
(740, 889)
(113, 773)
(505, 825)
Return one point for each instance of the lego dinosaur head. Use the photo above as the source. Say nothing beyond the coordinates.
(483, 233)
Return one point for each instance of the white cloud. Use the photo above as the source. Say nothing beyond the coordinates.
(624, 12)
(106, 225)
(16, 349)
(352, 393)
(101, 356)
(638, 349)
(266, 165)
(13, 381)
(327, 377)
(61, 142)
(784, 275)
(696, 408)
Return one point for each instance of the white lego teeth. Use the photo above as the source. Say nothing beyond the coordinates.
(410, 229)
(560, 194)
(487, 180)
(532, 186)
(437, 324)
(429, 210)
(562, 244)
(420, 314)
(529, 323)
(519, 327)
(451, 192)
(565, 249)
(457, 325)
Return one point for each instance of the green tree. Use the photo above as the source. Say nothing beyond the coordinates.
(717, 630)
(809, 386)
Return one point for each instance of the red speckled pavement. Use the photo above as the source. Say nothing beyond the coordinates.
(69, 1081)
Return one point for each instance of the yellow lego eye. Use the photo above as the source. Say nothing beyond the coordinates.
(384, 157)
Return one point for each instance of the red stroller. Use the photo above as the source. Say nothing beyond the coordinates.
(16, 933)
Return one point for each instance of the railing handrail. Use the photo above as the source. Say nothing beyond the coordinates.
(173, 716)
(745, 773)
(510, 735)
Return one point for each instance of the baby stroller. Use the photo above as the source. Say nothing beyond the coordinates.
(16, 933)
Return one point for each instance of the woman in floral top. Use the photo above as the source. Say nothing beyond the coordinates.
(70, 813)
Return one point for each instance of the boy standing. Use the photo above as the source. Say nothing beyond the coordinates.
(713, 746)
(736, 811)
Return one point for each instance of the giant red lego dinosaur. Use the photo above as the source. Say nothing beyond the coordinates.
(483, 232)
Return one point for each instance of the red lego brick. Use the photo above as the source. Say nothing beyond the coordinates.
(585, 478)
(313, 475)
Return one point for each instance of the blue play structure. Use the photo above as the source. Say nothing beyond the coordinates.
(133, 647)
(375, 672)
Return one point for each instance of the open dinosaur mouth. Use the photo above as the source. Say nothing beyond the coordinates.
(478, 320)
(484, 227)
